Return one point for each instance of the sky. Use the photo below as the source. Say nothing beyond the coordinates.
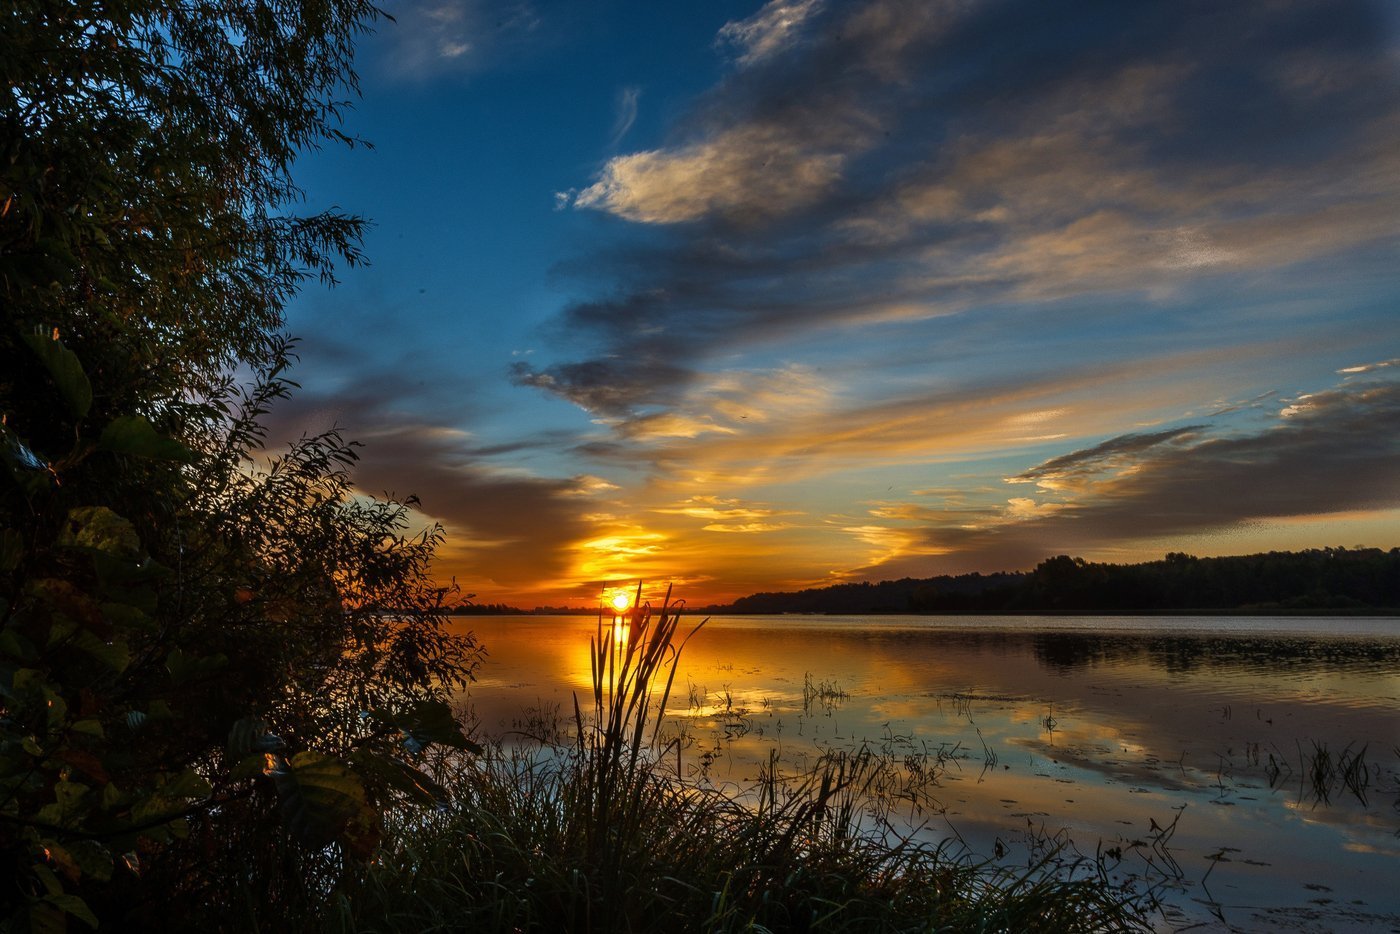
(748, 296)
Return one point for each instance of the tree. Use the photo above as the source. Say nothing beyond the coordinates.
(196, 643)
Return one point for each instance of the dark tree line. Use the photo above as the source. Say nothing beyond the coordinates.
(1336, 579)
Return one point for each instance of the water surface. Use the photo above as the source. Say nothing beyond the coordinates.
(1102, 730)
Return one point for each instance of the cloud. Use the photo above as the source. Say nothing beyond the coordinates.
(813, 431)
(770, 31)
(903, 163)
(436, 37)
(509, 530)
(1114, 455)
(726, 515)
(1369, 367)
(627, 99)
(1337, 454)
(714, 176)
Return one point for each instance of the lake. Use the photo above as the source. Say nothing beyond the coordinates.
(1249, 765)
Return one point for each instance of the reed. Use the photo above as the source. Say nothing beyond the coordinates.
(597, 835)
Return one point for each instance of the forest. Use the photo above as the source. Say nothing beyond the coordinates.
(1325, 579)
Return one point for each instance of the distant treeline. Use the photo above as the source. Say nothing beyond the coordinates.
(486, 609)
(1319, 579)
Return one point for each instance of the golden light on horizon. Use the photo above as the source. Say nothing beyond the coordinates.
(621, 601)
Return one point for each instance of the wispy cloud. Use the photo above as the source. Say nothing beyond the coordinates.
(770, 31)
(435, 37)
(626, 113)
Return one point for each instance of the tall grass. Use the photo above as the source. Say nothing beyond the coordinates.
(595, 835)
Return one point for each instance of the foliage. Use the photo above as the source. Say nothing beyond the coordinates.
(202, 651)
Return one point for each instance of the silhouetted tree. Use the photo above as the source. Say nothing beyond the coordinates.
(192, 639)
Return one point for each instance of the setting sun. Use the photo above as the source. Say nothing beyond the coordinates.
(621, 601)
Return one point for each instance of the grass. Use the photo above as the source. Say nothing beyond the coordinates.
(597, 834)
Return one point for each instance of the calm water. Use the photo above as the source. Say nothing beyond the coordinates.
(1102, 728)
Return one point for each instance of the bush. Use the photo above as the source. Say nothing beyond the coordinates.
(215, 668)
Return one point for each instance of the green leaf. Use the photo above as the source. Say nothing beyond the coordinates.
(427, 722)
(185, 668)
(251, 735)
(75, 906)
(17, 646)
(250, 766)
(67, 372)
(187, 784)
(126, 618)
(11, 549)
(128, 582)
(133, 434)
(47, 919)
(115, 655)
(113, 797)
(399, 775)
(67, 602)
(93, 858)
(57, 708)
(320, 796)
(100, 529)
(48, 879)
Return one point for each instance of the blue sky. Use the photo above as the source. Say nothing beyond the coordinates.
(761, 296)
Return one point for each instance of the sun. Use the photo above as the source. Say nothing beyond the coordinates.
(621, 601)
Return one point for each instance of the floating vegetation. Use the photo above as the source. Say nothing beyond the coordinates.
(822, 696)
(1323, 774)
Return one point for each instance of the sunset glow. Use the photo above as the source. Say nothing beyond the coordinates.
(784, 295)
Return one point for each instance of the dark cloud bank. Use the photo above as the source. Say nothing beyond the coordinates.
(955, 155)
